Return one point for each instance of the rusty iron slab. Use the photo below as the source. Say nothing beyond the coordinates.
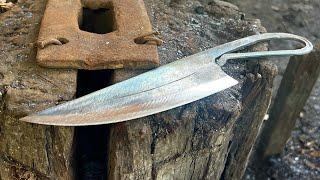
(131, 44)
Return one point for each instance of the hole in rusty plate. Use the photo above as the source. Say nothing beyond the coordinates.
(100, 21)
(140, 40)
(63, 40)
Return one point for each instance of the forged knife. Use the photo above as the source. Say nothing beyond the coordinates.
(169, 86)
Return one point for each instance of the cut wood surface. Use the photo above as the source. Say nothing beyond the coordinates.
(210, 139)
(298, 80)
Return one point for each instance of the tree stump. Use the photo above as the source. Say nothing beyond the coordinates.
(208, 139)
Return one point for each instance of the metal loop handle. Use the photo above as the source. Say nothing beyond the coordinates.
(245, 42)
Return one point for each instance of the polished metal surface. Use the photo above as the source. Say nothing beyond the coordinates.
(169, 86)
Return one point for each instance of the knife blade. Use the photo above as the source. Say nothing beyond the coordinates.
(169, 86)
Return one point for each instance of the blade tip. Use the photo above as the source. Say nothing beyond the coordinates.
(34, 119)
(29, 119)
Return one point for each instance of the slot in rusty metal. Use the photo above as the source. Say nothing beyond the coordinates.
(62, 44)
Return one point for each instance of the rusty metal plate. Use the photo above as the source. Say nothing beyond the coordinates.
(131, 44)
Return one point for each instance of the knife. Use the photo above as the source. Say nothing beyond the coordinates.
(166, 87)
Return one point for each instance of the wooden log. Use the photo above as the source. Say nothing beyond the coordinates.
(298, 80)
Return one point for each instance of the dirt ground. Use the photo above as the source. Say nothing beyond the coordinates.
(301, 158)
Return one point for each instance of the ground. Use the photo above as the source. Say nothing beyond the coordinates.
(301, 157)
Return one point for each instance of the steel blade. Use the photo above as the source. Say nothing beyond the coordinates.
(159, 90)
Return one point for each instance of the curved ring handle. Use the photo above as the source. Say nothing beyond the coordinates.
(264, 37)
